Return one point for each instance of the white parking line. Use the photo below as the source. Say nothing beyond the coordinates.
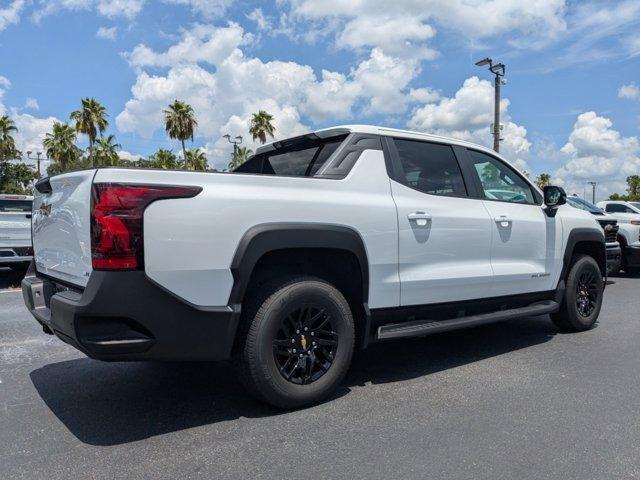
(14, 290)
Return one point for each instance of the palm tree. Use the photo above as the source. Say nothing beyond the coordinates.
(261, 126)
(90, 119)
(240, 156)
(164, 159)
(196, 160)
(8, 149)
(106, 153)
(543, 180)
(180, 123)
(60, 146)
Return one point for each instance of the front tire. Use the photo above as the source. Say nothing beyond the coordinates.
(296, 342)
(583, 296)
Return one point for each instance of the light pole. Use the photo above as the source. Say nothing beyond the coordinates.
(39, 154)
(236, 141)
(593, 191)
(498, 70)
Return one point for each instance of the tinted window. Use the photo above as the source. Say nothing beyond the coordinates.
(635, 204)
(582, 204)
(15, 206)
(499, 181)
(430, 167)
(618, 208)
(303, 159)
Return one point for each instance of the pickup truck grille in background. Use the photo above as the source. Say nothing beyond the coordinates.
(16, 252)
(610, 228)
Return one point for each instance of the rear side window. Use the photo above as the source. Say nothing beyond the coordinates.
(430, 168)
(20, 206)
(303, 159)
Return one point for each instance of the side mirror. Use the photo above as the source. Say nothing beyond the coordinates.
(554, 196)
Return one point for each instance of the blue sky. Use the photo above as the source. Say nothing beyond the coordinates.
(572, 99)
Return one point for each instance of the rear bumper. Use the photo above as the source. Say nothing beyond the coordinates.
(15, 255)
(124, 316)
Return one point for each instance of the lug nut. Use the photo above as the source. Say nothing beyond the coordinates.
(313, 334)
(293, 340)
(294, 350)
(306, 328)
(298, 332)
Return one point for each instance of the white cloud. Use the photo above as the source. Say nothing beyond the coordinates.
(597, 152)
(225, 96)
(404, 26)
(11, 13)
(468, 116)
(630, 91)
(107, 8)
(107, 33)
(207, 8)
(203, 43)
(31, 104)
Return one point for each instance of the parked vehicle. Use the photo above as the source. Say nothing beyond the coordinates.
(15, 231)
(609, 225)
(628, 216)
(317, 245)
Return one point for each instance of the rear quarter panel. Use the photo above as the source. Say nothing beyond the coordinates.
(190, 243)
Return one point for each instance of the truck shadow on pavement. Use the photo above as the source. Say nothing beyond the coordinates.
(115, 403)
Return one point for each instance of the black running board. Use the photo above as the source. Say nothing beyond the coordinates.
(420, 328)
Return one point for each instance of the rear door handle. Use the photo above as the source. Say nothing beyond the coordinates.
(503, 220)
(421, 218)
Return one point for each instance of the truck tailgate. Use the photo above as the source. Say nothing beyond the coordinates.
(61, 227)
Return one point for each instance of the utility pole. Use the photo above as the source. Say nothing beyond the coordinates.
(236, 141)
(39, 154)
(593, 191)
(498, 70)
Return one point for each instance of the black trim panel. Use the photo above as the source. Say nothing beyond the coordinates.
(269, 237)
(578, 235)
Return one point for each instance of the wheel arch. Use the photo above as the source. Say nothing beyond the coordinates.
(263, 239)
(587, 241)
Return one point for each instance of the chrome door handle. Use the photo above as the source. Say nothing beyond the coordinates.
(503, 220)
(421, 218)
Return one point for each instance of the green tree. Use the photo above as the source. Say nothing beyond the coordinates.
(16, 178)
(60, 147)
(91, 119)
(164, 159)
(106, 152)
(543, 180)
(617, 196)
(180, 123)
(262, 126)
(633, 187)
(196, 160)
(240, 156)
(8, 150)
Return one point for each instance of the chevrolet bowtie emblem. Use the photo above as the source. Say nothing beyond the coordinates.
(303, 342)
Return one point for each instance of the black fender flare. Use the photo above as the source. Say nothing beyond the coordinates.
(268, 237)
(578, 235)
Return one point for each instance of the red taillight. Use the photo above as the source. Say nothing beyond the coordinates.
(116, 221)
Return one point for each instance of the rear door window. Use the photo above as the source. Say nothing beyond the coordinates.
(17, 206)
(430, 168)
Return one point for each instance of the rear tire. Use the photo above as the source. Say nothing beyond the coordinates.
(280, 362)
(583, 296)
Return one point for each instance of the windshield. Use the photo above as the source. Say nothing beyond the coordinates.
(10, 206)
(582, 204)
(302, 159)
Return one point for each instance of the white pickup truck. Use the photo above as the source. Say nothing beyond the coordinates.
(628, 216)
(15, 231)
(317, 245)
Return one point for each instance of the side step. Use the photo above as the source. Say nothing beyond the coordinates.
(420, 328)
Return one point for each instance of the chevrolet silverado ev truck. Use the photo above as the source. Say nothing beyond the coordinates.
(316, 246)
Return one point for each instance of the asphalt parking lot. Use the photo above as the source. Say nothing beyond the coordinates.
(512, 400)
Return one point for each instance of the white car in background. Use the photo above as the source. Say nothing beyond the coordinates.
(628, 216)
(15, 231)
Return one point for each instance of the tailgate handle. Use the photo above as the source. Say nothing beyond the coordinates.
(43, 185)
